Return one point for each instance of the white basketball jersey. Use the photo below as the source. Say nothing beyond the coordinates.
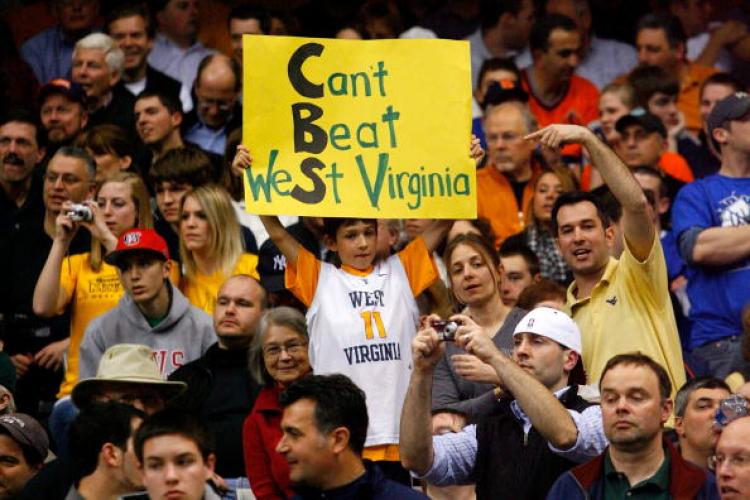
(362, 327)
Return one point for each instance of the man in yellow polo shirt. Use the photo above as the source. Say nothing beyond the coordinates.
(619, 305)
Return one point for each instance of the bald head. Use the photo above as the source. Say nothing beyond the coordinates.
(239, 306)
(217, 87)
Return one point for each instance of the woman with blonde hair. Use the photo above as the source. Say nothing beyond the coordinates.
(210, 245)
(537, 233)
(85, 282)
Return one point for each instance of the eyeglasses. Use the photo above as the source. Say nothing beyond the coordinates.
(738, 461)
(293, 348)
(222, 105)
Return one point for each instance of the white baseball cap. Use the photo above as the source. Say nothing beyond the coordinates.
(553, 324)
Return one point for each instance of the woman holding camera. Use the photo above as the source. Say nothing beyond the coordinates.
(211, 245)
(84, 281)
(463, 385)
(278, 357)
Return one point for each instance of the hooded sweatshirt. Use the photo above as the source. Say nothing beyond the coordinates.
(184, 335)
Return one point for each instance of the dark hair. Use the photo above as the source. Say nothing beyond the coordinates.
(331, 225)
(671, 26)
(234, 66)
(95, 426)
(175, 421)
(107, 139)
(498, 63)
(573, 198)
(385, 10)
(543, 28)
(648, 80)
(27, 117)
(131, 9)
(611, 205)
(689, 387)
(540, 291)
(723, 79)
(338, 403)
(490, 11)
(246, 12)
(167, 99)
(656, 173)
(511, 247)
(186, 165)
(640, 359)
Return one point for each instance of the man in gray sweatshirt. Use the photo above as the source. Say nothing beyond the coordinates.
(152, 311)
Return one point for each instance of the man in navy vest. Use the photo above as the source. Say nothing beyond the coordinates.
(541, 425)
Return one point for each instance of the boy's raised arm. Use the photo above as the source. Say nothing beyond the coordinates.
(285, 242)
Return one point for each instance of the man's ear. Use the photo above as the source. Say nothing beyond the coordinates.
(176, 119)
(111, 455)
(84, 116)
(167, 268)
(663, 205)
(340, 439)
(679, 426)
(666, 410)
(720, 134)
(210, 464)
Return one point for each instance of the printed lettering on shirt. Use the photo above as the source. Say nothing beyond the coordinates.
(168, 361)
(734, 210)
(387, 351)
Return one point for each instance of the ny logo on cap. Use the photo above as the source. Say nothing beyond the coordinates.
(131, 239)
(530, 323)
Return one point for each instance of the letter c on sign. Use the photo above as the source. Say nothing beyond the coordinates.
(300, 83)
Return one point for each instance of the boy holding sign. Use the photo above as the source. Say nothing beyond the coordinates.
(362, 316)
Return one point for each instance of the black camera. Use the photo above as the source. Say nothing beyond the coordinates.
(446, 330)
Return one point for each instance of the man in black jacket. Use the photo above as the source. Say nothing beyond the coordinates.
(540, 428)
(133, 29)
(221, 389)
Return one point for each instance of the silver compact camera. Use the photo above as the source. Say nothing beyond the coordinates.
(446, 330)
(80, 212)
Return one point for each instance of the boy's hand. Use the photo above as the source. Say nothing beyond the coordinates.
(242, 160)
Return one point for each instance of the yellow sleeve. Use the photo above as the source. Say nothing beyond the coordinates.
(420, 268)
(301, 277)
(248, 264)
(69, 272)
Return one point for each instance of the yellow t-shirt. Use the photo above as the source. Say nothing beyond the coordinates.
(629, 310)
(90, 294)
(201, 290)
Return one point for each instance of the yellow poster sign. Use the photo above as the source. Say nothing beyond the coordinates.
(358, 128)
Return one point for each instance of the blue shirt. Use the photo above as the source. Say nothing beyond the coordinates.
(717, 293)
(50, 54)
(209, 139)
(181, 64)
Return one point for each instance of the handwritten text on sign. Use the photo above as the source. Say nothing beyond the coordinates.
(362, 129)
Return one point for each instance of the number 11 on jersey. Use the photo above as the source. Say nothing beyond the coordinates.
(368, 317)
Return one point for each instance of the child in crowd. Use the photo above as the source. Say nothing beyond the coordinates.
(362, 316)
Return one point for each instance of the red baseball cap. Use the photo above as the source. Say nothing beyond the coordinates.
(138, 240)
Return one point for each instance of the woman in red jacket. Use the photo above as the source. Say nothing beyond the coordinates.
(278, 358)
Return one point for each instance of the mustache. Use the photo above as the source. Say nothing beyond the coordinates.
(13, 159)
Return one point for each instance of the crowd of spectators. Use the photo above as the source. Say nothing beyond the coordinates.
(587, 336)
